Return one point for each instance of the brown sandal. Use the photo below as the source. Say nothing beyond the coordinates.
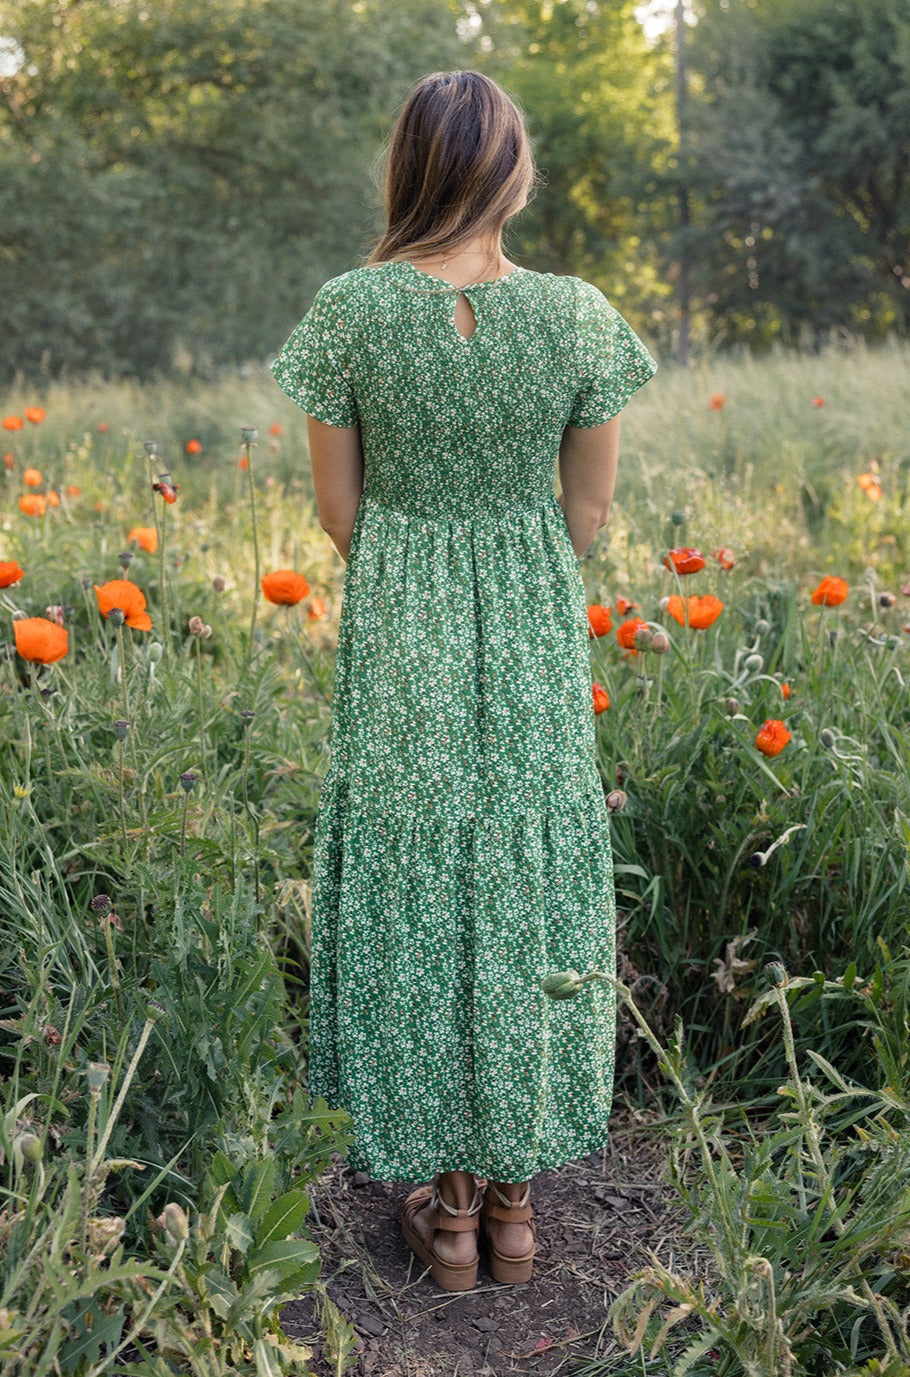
(451, 1276)
(502, 1267)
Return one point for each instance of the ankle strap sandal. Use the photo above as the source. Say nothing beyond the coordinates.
(496, 1206)
(451, 1276)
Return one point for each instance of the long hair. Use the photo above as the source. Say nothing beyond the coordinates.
(458, 163)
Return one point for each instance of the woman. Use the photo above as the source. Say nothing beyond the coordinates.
(462, 848)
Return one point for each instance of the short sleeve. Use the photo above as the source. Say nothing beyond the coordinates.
(313, 367)
(611, 361)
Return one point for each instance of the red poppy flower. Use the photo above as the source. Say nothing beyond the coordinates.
(146, 537)
(698, 613)
(785, 691)
(53, 497)
(276, 429)
(818, 401)
(625, 633)
(103, 427)
(9, 459)
(599, 620)
(624, 606)
(128, 598)
(12, 423)
(193, 446)
(243, 462)
(284, 587)
(167, 490)
(831, 592)
(317, 608)
(601, 698)
(772, 737)
(725, 557)
(35, 414)
(32, 478)
(33, 504)
(685, 560)
(10, 573)
(870, 484)
(40, 640)
(716, 401)
(72, 491)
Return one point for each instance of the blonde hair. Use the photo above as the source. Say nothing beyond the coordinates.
(458, 163)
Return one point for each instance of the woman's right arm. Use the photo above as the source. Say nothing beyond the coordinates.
(588, 457)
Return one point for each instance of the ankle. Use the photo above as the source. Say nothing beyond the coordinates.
(512, 1190)
(456, 1188)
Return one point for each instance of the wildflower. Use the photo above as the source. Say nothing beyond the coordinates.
(193, 446)
(716, 401)
(831, 592)
(53, 498)
(123, 596)
(785, 691)
(146, 537)
(10, 573)
(56, 613)
(34, 414)
(317, 608)
(599, 620)
(13, 423)
(32, 478)
(871, 485)
(285, 587)
(624, 607)
(697, 612)
(685, 560)
(9, 459)
(218, 583)
(725, 557)
(103, 427)
(33, 504)
(818, 401)
(276, 429)
(625, 633)
(772, 737)
(72, 491)
(601, 699)
(166, 488)
(40, 640)
(243, 462)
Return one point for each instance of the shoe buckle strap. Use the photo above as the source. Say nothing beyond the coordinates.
(454, 1219)
(506, 1202)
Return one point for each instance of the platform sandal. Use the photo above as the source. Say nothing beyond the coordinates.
(451, 1276)
(498, 1206)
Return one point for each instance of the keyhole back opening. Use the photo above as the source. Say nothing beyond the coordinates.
(465, 319)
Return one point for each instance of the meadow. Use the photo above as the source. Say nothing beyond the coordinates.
(159, 776)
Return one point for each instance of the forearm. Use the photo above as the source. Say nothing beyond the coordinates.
(583, 521)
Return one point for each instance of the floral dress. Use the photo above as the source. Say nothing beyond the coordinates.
(462, 844)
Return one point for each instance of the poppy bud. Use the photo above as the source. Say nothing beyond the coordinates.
(196, 626)
(219, 584)
(754, 663)
(561, 984)
(173, 1222)
(776, 973)
(29, 1144)
(678, 518)
(827, 738)
(155, 652)
(732, 706)
(643, 638)
(660, 643)
(762, 627)
(756, 860)
(617, 800)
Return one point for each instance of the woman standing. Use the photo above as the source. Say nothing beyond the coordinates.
(462, 845)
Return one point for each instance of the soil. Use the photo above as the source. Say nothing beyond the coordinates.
(596, 1218)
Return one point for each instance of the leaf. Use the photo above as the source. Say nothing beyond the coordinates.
(239, 1232)
(267, 1360)
(284, 1216)
(697, 1349)
(258, 1185)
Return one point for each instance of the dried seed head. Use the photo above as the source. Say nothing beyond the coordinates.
(116, 616)
(101, 904)
(249, 434)
(125, 558)
(151, 446)
(188, 781)
(219, 584)
(121, 728)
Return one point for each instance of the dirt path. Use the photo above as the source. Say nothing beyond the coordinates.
(594, 1218)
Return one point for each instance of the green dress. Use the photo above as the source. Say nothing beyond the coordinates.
(462, 844)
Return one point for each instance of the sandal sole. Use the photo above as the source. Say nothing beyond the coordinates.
(451, 1276)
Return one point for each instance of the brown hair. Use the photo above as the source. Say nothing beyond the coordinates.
(458, 163)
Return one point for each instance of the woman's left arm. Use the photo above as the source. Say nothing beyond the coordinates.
(336, 457)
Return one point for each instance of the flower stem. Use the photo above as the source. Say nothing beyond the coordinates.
(248, 446)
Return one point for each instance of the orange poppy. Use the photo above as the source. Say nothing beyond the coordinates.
(685, 560)
(785, 691)
(10, 573)
(818, 401)
(193, 446)
(317, 608)
(831, 592)
(167, 490)
(869, 482)
(725, 557)
(32, 478)
(103, 427)
(33, 504)
(276, 429)
(625, 633)
(40, 640)
(13, 423)
(624, 606)
(146, 537)
(599, 620)
(716, 401)
(600, 697)
(772, 737)
(284, 587)
(72, 491)
(122, 594)
(53, 497)
(35, 414)
(243, 462)
(702, 612)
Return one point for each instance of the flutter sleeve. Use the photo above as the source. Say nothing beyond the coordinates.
(313, 367)
(611, 361)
